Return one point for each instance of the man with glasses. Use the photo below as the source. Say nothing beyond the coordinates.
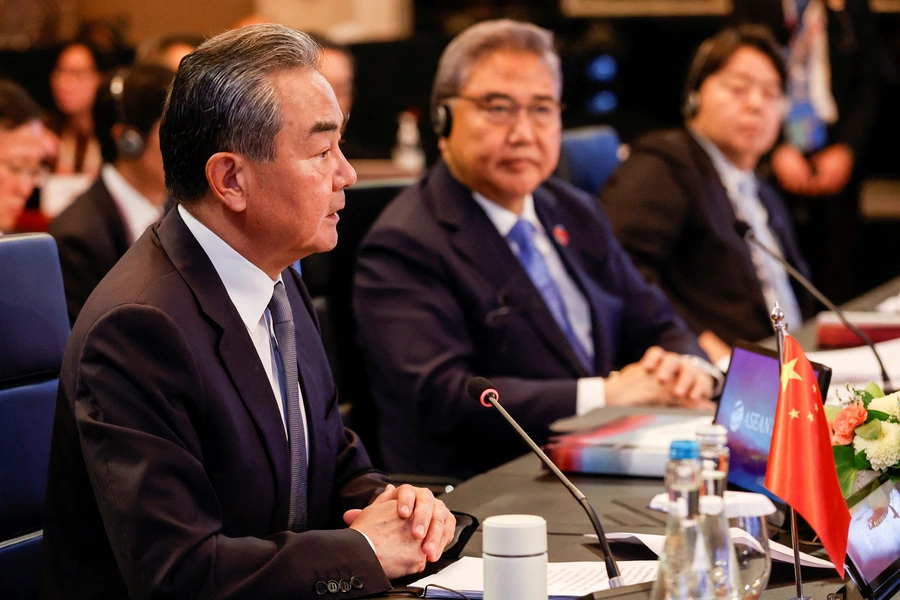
(488, 268)
(675, 202)
(23, 145)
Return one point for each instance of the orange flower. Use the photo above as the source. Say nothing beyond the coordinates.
(846, 422)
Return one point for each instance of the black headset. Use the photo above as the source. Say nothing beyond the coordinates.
(130, 144)
(691, 105)
(442, 120)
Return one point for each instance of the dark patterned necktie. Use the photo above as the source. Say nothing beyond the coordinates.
(286, 354)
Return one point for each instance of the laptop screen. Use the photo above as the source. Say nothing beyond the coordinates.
(873, 544)
(747, 409)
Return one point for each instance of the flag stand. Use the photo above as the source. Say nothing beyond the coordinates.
(777, 316)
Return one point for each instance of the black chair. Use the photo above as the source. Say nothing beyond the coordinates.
(34, 328)
(329, 278)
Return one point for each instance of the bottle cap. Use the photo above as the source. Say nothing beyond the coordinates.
(684, 449)
(712, 434)
(514, 535)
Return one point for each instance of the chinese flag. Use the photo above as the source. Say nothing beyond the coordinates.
(801, 464)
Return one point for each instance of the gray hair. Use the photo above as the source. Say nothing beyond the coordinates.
(482, 39)
(223, 99)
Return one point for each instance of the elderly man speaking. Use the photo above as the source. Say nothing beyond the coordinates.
(198, 451)
(487, 267)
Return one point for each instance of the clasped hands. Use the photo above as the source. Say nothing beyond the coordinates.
(661, 378)
(825, 173)
(408, 527)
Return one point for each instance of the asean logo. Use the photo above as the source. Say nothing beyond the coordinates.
(737, 416)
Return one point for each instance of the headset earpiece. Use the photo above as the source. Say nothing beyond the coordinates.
(130, 143)
(442, 121)
(691, 105)
(692, 86)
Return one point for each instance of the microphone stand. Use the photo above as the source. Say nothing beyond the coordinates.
(612, 569)
(749, 236)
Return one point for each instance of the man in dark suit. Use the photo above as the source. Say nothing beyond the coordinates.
(198, 450)
(129, 195)
(674, 202)
(487, 267)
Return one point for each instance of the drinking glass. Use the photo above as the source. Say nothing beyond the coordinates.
(751, 546)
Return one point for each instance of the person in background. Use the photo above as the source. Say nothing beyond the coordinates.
(198, 450)
(100, 225)
(674, 203)
(338, 67)
(23, 147)
(833, 87)
(168, 50)
(73, 83)
(490, 267)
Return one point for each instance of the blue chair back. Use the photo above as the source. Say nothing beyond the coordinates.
(34, 329)
(589, 156)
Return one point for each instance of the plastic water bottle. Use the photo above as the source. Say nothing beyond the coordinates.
(407, 153)
(684, 564)
(723, 568)
(714, 458)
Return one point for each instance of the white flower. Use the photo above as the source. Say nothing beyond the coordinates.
(888, 404)
(884, 451)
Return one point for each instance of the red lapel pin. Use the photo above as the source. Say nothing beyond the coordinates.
(561, 235)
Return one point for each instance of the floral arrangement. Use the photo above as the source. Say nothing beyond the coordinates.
(865, 435)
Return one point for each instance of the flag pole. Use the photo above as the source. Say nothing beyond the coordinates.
(780, 326)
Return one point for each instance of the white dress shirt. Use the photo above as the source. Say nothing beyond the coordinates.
(136, 211)
(591, 391)
(250, 290)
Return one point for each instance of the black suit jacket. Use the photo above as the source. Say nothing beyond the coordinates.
(854, 57)
(169, 469)
(671, 212)
(91, 238)
(440, 298)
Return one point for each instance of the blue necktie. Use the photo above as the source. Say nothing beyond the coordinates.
(286, 364)
(522, 234)
(773, 279)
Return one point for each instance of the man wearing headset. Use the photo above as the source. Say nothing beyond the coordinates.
(488, 266)
(674, 204)
(130, 193)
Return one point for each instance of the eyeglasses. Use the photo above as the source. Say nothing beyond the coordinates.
(501, 109)
(35, 176)
(740, 87)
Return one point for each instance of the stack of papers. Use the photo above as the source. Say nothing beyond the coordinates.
(564, 580)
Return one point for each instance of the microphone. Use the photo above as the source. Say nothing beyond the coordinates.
(482, 390)
(743, 229)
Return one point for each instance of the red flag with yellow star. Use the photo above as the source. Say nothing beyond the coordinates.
(801, 464)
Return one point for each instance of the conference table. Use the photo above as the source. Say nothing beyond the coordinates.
(524, 486)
